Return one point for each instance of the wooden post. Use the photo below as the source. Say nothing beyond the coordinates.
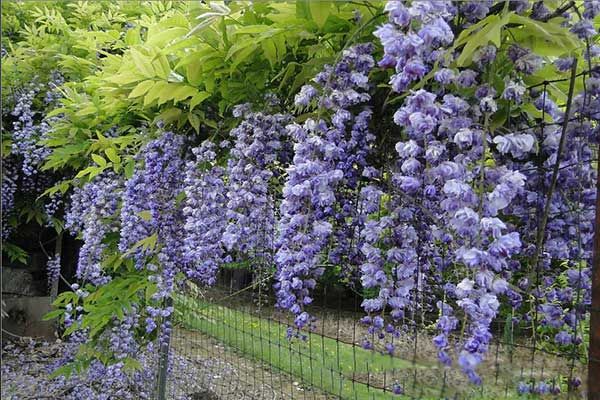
(594, 353)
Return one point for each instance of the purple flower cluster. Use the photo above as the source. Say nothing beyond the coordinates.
(350, 214)
(539, 388)
(149, 197)
(53, 269)
(525, 60)
(121, 337)
(28, 131)
(10, 175)
(22, 175)
(90, 215)
(444, 167)
(52, 207)
(205, 214)
(151, 210)
(563, 293)
(413, 39)
(258, 142)
(475, 10)
(53, 94)
(439, 166)
(320, 170)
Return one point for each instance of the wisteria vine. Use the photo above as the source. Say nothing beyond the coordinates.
(471, 203)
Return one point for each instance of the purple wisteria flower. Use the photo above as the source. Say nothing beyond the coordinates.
(151, 212)
(205, 215)
(329, 160)
(89, 216)
(259, 146)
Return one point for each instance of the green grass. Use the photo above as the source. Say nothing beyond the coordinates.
(321, 362)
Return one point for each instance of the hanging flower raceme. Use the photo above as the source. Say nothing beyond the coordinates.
(89, 216)
(255, 159)
(205, 214)
(151, 212)
(28, 130)
(22, 176)
(149, 197)
(53, 270)
(413, 39)
(329, 159)
(10, 176)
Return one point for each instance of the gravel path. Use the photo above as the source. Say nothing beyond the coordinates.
(203, 369)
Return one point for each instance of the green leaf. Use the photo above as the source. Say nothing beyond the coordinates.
(162, 38)
(270, 51)
(65, 298)
(161, 66)
(56, 111)
(150, 290)
(169, 115)
(131, 364)
(180, 197)
(58, 224)
(498, 118)
(142, 63)
(194, 121)
(52, 315)
(91, 171)
(487, 30)
(320, 10)
(145, 215)
(126, 78)
(335, 24)
(66, 371)
(132, 37)
(112, 155)
(252, 29)
(150, 242)
(128, 170)
(158, 89)
(193, 73)
(303, 9)
(182, 92)
(50, 191)
(14, 252)
(141, 88)
(243, 55)
(179, 45)
(550, 31)
(198, 98)
(87, 111)
(241, 45)
(99, 160)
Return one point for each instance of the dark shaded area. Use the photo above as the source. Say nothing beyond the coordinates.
(205, 395)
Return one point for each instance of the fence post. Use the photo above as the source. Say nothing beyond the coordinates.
(594, 352)
(163, 360)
